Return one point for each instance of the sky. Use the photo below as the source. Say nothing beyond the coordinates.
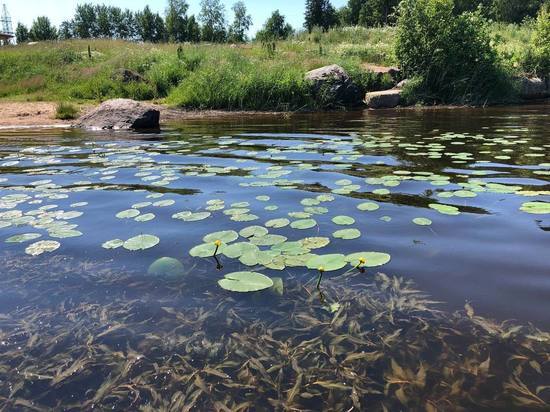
(25, 11)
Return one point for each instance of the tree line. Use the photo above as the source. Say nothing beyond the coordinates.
(103, 21)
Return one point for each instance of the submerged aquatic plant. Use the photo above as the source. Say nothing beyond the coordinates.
(382, 345)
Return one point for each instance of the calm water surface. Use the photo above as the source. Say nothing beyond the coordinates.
(68, 187)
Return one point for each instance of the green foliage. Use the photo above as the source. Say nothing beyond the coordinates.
(275, 28)
(212, 16)
(66, 111)
(42, 30)
(236, 83)
(537, 59)
(452, 55)
(150, 26)
(22, 33)
(176, 20)
(241, 23)
(320, 13)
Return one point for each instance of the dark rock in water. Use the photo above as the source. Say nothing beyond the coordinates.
(128, 76)
(384, 99)
(534, 88)
(121, 114)
(332, 87)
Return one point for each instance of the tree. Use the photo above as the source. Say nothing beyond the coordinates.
(150, 26)
(22, 33)
(275, 28)
(320, 13)
(514, 11)
(128, 26)
(66, 30)
(378, 12)
(212, 16)
(85, 21)
(193, 30)
(176, 20)
(104, 22)
(241, 23)
(42, 30)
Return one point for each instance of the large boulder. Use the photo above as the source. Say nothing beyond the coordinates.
(332, 87)
(533, 88)
(384, 99)
(121, 114)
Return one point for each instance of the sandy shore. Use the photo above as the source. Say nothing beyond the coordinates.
(41, 114)
(29, 114)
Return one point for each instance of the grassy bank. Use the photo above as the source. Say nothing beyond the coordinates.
(207, 76)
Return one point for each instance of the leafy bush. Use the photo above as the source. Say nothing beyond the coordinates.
(537, 59)
(452, 55)
(66, 111)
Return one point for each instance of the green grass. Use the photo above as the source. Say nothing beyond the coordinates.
(208, 76)
(66, 111)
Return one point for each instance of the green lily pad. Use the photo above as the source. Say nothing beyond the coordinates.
(246, 217)
(236, 250)
(373, 259)
(187, 216)
(26, 237)
(164, 203)
(347, 234)
(128, 214)
(315, 242)
(63, 233)
(263, 198)
(166, 267)
(422, 221)
(277, 223)
(205, 250)
(538, 208)
(113, 244)
(141, 242)
(252, 231)
(145, 218)
(42, 246)
(368, 206)
(268, 240)
(278, 286)
(243, 282)
(343, 220)
(226, 236)
(329, 262)
(445, 209)
(303, 224)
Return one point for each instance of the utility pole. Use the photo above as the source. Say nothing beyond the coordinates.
(6, 27)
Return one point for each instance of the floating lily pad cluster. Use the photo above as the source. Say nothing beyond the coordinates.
(363, 172)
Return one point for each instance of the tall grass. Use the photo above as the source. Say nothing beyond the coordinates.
(203, 75)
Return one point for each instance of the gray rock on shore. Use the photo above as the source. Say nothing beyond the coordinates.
(384, 99)
(332, 87)
(120, 114)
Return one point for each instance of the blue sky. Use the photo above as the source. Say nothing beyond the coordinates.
(25, 11)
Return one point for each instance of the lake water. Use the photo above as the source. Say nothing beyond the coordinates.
(451, 205)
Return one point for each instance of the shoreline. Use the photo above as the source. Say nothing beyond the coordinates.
(28, 115)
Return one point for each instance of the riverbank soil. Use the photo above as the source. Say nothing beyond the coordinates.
(29, 114)
(39, 114)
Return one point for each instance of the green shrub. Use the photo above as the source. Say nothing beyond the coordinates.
(452, 55)
(537, 59)
(66, 111)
